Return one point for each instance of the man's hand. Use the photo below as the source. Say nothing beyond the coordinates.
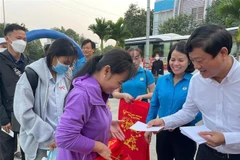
(214, 139)
(156, 122)
(7, 127)
(52, 145)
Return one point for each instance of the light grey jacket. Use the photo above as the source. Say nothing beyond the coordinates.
(30, 111)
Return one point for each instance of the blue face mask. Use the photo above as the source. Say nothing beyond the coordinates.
(60, 68)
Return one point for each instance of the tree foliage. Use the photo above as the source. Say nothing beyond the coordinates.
(100, 28)
(118, 31)
(135, 20)
(216, 16)
(182, 24)
(231, 9)
(72, 34)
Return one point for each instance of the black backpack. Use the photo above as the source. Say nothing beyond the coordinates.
(32, 77)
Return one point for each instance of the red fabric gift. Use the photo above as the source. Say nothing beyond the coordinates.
(134, 145)
(116, 146)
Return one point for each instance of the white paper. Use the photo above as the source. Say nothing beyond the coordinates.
(192, 133)
(10, 133)
(139, 126)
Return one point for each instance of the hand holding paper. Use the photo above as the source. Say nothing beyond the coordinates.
(139, 126)
(192, 132)
(10, 133)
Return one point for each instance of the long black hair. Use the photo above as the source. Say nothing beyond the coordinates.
(119, 60)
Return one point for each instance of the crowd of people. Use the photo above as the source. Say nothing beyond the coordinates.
(59, 103)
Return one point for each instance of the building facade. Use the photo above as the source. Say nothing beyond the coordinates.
(165, 9)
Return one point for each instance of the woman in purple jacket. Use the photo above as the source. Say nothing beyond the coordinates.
(84, 128)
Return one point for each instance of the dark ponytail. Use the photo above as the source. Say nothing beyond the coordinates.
(90, 67)
(119, 60)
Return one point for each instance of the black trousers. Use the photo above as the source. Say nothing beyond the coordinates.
(207, 153)
(8, 146)
(173, 144)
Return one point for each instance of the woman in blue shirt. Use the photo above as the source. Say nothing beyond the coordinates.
(168, 97)
(141, 86)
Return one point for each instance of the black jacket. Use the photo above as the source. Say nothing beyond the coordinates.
(157, 67)
(8, 81)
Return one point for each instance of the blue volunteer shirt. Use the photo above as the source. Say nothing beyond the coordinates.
(78, 65)
(138, 84)
(167, 99)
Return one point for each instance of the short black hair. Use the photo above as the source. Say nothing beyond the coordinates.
(60, 47)
(157, 51)
(11, 27)
(93, 45)
(180, 47)
(211, 38)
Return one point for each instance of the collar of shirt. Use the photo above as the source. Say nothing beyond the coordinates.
(140, 70)
(187, 76)
(230, 77)
(58, 77)
(14, 60)
(83, 60)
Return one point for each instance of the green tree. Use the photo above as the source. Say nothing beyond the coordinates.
(118, 31)
(1, 30)
(215, 16)
(101, 29)
(135, 20)
(182, 24)
(108, 48)
(34, 50)
(231, 8)
(71, 33)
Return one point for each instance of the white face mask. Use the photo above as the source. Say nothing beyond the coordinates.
(157, 58)
(18, 45)
(2, 49)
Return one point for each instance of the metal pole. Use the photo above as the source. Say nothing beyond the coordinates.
(147, 35)
(4, 21)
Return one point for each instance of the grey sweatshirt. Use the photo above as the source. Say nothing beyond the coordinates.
(30, 111)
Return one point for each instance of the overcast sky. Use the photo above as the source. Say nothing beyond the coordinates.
(75, 14)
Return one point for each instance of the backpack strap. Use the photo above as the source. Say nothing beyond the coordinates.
(32, 77)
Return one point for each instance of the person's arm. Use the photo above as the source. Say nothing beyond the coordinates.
(152, 70)
(162, 68)
(154, 105)
(24, 111)
(117, 94)
(183, 116)
(68, 134)
(231, 137)
(5, 121)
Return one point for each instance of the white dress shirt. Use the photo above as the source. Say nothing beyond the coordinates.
(219, 104)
